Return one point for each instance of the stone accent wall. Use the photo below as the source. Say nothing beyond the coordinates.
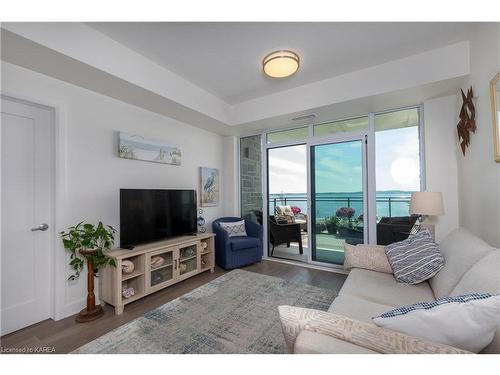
(250, 174)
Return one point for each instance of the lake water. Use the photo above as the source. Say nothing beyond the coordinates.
(328, 203)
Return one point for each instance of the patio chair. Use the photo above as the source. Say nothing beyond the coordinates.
(282, 232)
(394, 229)
(286, 212)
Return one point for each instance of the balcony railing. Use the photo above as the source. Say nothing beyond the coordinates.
(356, 202)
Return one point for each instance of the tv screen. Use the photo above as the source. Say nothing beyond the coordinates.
(150, 215)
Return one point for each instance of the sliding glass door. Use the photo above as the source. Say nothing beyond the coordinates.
(335, 182)
(287, 202)
(338, 198)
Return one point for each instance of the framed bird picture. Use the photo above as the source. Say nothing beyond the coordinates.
(209, 187)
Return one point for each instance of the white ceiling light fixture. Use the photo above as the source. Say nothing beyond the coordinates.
(281, 64)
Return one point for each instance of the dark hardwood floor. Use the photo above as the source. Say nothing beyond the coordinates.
(66, 335)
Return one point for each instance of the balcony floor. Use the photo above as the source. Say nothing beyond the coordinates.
(329, 249)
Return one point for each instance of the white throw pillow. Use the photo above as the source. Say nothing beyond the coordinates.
(234, 229)
(467, 322)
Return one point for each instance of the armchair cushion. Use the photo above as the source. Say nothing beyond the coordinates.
(294, 320)
(242, 243)
(284, 210)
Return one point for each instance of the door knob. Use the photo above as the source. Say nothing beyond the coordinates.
(43, 227)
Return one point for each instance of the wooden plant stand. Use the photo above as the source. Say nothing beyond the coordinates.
(91, 312)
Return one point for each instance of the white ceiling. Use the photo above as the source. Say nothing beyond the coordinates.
(225, 58)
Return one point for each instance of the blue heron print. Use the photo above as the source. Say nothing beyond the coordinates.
(209, 183)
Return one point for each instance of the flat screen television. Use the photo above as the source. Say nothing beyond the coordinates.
(148, 215)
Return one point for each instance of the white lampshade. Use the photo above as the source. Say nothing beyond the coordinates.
(427, 203)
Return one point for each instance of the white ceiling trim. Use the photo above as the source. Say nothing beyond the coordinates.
(83, 43)
(114, 70)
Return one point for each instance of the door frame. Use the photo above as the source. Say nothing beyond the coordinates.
(58, 264)
(361, 136)
(370, 173)
(265, 188)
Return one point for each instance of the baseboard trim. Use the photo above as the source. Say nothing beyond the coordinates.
(334, 269)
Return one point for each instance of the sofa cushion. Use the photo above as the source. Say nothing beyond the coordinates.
(483, 277)
(460, 250)
(242, 243)
(383, 288)
(357, 308)
(315, 343)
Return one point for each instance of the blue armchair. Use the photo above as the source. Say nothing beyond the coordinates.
(233, 252)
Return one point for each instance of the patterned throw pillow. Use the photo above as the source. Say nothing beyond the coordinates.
(415, 259)
(235, 229)
(467, 322)
(294, 320)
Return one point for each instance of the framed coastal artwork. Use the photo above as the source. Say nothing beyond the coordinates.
(133, 146)
(209, 187)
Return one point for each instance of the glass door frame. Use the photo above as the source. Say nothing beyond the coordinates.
(368, 203)
(361, 136)
(312, 139)
(265, 189)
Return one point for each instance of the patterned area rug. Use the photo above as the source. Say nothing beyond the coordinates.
(235, 313)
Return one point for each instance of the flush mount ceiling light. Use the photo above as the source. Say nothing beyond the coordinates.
(280, 64)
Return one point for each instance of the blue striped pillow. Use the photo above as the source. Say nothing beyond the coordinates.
(415, 259)
(430, 305)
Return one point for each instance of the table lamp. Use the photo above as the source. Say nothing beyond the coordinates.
(425, 203)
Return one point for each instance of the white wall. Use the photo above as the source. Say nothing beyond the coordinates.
(231, 202)
(92, 173)
(441, 153)
(479, 175)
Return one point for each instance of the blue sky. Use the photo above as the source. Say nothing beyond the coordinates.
(339, 169)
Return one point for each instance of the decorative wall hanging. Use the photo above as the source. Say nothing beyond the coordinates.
(467, 121)
(209, 187)
(132, 146)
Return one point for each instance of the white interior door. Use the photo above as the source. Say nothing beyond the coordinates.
(26, 221)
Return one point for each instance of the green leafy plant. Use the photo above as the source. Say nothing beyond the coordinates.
(88, 236)
(332, 224)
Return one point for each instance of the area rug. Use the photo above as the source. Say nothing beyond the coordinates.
(235, 313)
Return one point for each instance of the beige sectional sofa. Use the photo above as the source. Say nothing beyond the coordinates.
(471, 266)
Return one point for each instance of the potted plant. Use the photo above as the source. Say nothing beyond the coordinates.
(87, 243)
(332, 224)
(345, 214)
(320, 227)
